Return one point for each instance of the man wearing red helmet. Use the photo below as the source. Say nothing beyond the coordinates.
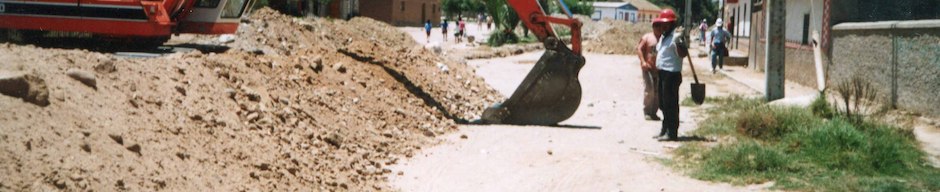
(671, 48)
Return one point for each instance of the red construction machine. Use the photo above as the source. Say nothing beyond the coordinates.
(142, 21)
(551, 92)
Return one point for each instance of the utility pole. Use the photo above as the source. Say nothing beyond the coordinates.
(688, 15)
(775, 50)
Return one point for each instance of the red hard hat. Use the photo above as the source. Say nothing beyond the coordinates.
(667, 15)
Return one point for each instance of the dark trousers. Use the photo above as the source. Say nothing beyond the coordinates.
(718, 56)
(669, 102)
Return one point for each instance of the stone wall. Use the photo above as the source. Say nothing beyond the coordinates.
(901, 59)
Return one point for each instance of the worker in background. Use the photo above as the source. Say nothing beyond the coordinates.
(427, 30)
(719, 39)
(703, 28)
(444, 29)
(646, 50)
(671, 48)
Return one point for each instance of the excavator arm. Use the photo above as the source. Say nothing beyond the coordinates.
(551, 92)
(534, 18)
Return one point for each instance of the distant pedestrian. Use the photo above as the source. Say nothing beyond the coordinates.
(427, 30)
(444, 29)
(489, 22)
(703, 28)
(461, 29)
(670, 51)
(480, 20)
(719, 39)
(646, 50)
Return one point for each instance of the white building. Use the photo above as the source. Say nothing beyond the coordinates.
(614, 10)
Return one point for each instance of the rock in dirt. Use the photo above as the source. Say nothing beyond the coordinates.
(106, 66)
(85, 77)
(335, 139)
(339, 67)
(24, 86)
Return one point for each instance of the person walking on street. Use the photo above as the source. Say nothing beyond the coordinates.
(427, 30)
(719, 38)
(647, 53)
(703, 28)
(461, 28)
(444, 29)
(670, 49)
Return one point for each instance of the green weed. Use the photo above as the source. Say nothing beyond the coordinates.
(800, 149)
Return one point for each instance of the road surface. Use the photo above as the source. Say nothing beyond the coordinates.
(605, 146)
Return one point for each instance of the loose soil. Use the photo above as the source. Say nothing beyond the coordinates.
(620, 38)
(296, 104)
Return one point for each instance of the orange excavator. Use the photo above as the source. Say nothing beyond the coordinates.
(143, 21)
(551, 92)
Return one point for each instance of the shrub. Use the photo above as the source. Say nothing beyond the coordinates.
(820, 107)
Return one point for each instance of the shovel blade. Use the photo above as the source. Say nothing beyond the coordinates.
(698, 93)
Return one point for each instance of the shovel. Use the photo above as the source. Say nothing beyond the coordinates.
(698, 89)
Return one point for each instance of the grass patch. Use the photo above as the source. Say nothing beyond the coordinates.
(803, 149)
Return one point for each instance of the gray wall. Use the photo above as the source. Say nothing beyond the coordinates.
(901, 59)
(800, 66)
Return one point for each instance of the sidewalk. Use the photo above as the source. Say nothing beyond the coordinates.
(749, 77)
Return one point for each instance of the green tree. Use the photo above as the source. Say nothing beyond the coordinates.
(701, 9)
(453, 8)
(505, 19)
(580, 7)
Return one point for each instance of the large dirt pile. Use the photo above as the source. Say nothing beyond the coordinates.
(296, 105)
(620, 37)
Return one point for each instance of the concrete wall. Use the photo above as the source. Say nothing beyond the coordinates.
(796, 9)
(901, 59)
(800, 66)
(402, 12)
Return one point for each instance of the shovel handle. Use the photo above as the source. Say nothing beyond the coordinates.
(694, 75)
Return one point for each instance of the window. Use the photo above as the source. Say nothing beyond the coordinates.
(402, 6)
(233, 8)
(207, 3)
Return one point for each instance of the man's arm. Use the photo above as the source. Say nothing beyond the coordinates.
(641, 52)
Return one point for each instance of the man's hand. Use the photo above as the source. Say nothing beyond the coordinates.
(681, 38)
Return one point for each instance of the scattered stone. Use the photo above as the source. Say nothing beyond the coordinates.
(335, 139)
(181, 90)
(463, 136)
(85, 77)
(106, 66)
(339, 67)
(550, 152)
(134, 148)
(252, 116)
(230, 93)
(117, 138)
(85, 147)
(24, 86)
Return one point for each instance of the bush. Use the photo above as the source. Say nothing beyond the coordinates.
(500, 38)
(821, 108)
(802, 151)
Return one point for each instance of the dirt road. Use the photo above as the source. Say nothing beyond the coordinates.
(605, 146)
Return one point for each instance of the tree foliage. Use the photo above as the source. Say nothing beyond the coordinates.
(458, 8)
(701, 9)
(580, 7)
(505, 19)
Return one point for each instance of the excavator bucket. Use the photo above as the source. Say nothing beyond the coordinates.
(549, 94)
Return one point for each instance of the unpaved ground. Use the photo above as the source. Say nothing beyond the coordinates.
(606, 146)
(294, 105)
